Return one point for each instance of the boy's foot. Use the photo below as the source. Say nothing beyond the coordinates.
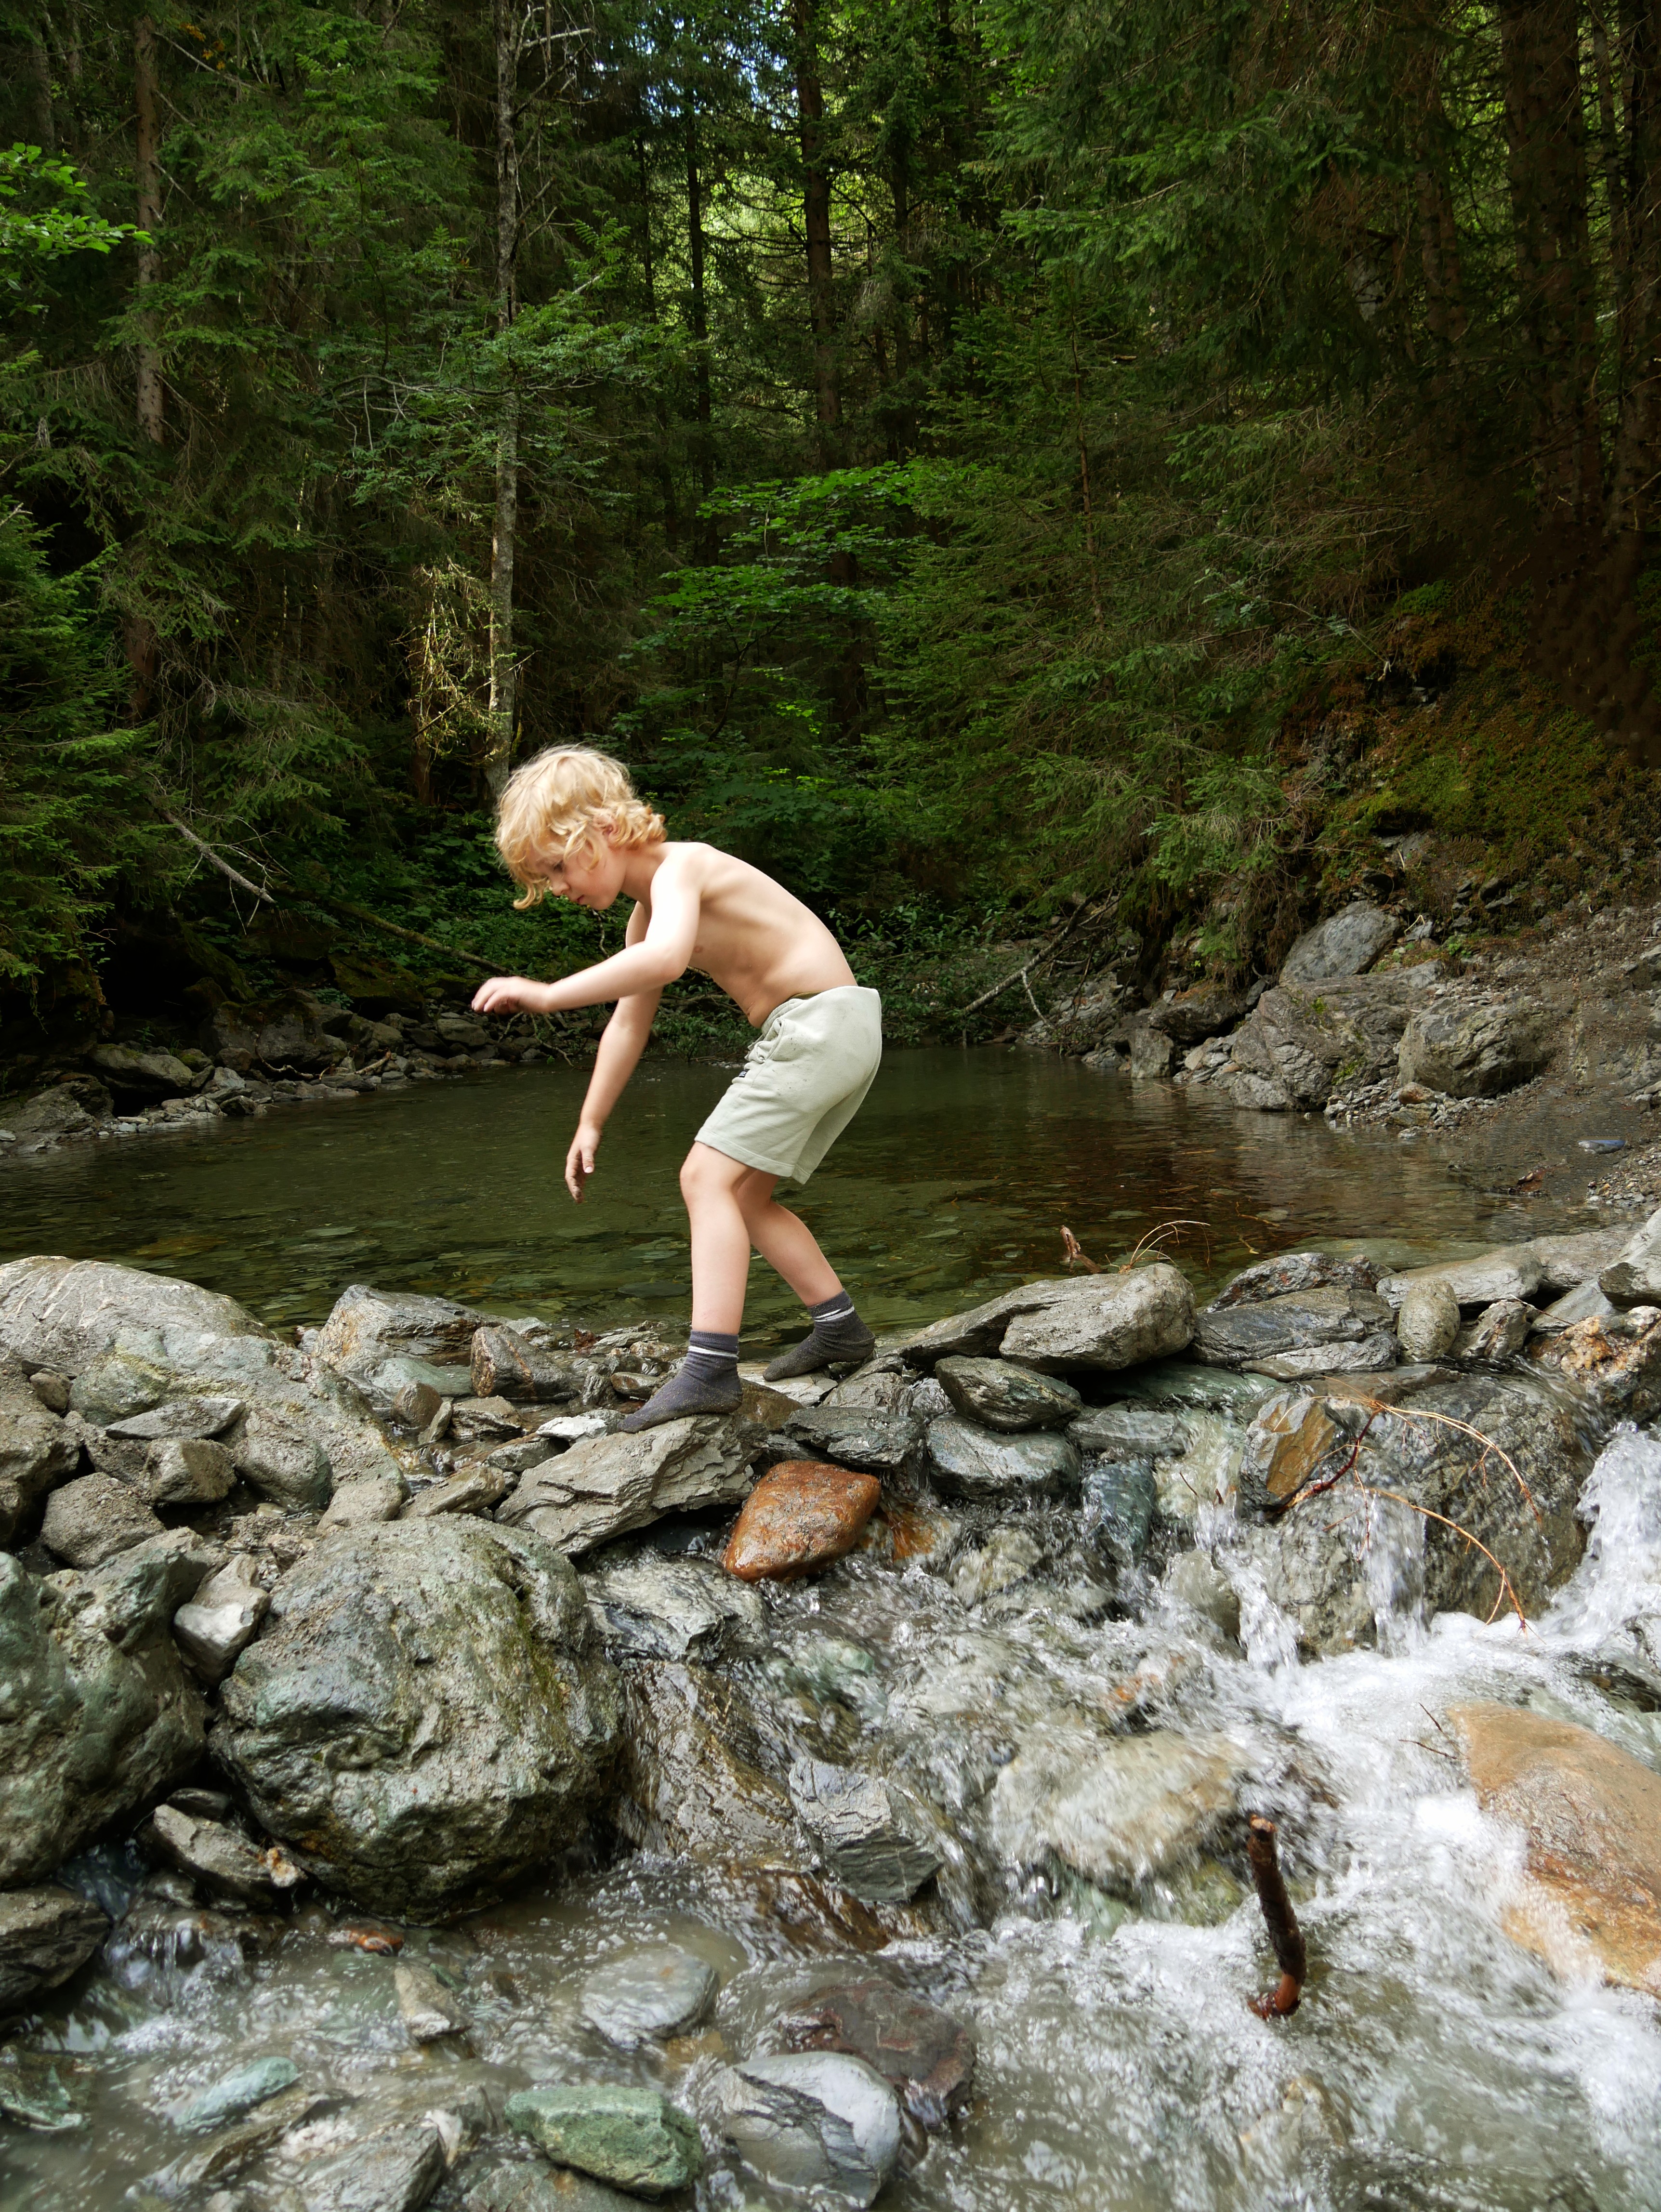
(706, 1382)
(840, 1339)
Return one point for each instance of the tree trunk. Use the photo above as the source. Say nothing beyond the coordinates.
(37, 63)
(499, 759)
(144, 655)
(706, 456)
(1545, 132)
(816, 217)
(904, 422)
(1638, 435)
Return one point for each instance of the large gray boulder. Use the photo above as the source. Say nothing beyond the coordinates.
(1475, 1053)
(604, 1486)
(424, 1717)
(61, 1314)
(1633, 1277)
(1205, 1010)
(1343, 944)
(97, 1717)
(1321, 1322)
(1302, 1038)
(1106, 1322)
(369, 1330)
(133, 1073)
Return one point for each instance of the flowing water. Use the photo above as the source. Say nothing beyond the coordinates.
(1433, 2064)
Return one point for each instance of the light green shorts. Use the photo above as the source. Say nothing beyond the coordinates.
(802, 1082)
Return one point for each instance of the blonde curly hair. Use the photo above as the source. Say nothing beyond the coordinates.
(563, 802)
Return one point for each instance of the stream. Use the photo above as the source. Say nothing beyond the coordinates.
(1433, 2063)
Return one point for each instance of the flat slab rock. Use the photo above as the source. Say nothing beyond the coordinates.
(605, 1486)
(1106, 1322)
(1592, 1814)
(803, 1515)
(969, 1462)
(1000, 1394)
(925, 2055)
(1332, 1316)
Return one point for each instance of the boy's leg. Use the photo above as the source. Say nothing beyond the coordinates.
(839, 1337)
(707, 1381)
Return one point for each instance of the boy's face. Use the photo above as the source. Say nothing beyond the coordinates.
(591, 877)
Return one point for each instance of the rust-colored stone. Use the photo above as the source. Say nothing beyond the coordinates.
(803, 1515)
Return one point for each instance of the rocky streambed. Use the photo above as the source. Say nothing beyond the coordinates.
(419, 1791)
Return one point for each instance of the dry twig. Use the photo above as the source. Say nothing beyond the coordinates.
(1074, 1254)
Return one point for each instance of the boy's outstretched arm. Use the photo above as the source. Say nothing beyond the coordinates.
(660, 954)
(620, 1048)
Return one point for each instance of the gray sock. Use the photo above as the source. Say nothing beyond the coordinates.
(840, 1339)
(706, 1382)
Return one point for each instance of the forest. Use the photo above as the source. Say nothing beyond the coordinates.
(979, 458)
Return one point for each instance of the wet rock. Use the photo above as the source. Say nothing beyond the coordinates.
(1499, 1331)
(1289, 1272)
(1120, 1498)
(652, 1608)
(220, 1621)
(395, 2169)
(63, 1314)
(813, 2122)
(1206, 1010)
(925, 2057)
(145, 1075)
(186, 1471)
(605, 1486)
(803, 1515)
(225, 2156)
(1130, 1431)
(1475, 1055)
(1007, 1557)
(634, 2138)
(695, 1784)
(54, 1113)
(1001, 1395)
(422, 1715)
(967, 1462)
(37, 1452)
(1104, 1322)
(648, 1994)
(180, 1417)
(282, 1460)
(1427, 1319)
(1635, 1279)
(414, 1405)
(505, 1365)
(1343, 944)
(1195, 1580)
(355, 1505)
(91, 1519)
(865, 1439)
(867, 1846)
(32, 2093)
(242, 2090)
(1615, 1360)
(1116, 1811)
(476, 1491)
(1566, 1262)
(1292, 1440)
(221, 1858)
(514, 2185)
(519, 1457)
(88, 1730)
(1153, 1054)
(1334, 1316)
(44, 1935)
(369, 1330)
(428, 2010)
(1593, 1817)
(1511, 1271)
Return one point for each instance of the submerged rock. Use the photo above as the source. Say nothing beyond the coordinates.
(396, 2169)
(1120, 1499)
(813, 2122)
(998, 1394)
(1130, 1431)
(652, 1608)
(605, 1486)
(45, 1934)
(868, 1847)
(91, 1727)
(422, 1715)
(648, 1994)
(695, 1786)
(1116, 1810)
(242, 2090)
(1106, 1322)
(969, 1462)
(634, 2138)
(520, 2186)
(428, 2011)
(924, 2054)
(805, 1513)
(1593, 1817)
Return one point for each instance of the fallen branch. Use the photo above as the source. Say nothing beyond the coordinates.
(1020, 975)
(1507, 1588)
(1281, 1922)
(397, 929)
(208, 855)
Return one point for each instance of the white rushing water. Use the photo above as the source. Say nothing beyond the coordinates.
(1433, 2063)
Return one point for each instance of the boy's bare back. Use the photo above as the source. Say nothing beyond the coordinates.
(747, 933)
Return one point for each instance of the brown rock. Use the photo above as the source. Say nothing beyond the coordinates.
(803, 1515)
(1593, 1817)
(929, 2057)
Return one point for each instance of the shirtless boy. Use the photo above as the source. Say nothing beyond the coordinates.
(570, 826)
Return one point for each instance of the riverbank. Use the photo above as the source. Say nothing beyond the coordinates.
(867, 1761)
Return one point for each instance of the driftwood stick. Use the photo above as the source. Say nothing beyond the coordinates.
(208, 855)
(1280, 1920)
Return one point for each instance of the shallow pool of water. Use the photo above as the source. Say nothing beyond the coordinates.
(955, 1180)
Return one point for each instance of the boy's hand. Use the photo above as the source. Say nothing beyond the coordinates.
(580, 1160)
(504, 992)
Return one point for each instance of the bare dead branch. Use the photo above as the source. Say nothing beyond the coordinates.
(1291, 1954)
